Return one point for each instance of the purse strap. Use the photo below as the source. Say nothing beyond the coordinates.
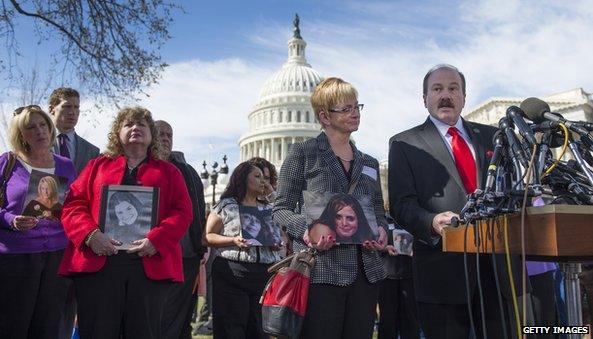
(6, 174)
(352, 187)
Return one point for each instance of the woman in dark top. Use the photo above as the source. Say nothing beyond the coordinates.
(239, 271)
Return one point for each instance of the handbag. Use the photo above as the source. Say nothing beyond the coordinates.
(284, 299)
(6, 174)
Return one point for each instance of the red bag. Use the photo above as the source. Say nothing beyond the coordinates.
(284, 300)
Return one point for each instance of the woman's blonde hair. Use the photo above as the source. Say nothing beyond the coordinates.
(114, 145)
(21, 118)
(329, 93)
(52, 185)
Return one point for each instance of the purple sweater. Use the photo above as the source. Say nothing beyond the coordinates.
(48, 235)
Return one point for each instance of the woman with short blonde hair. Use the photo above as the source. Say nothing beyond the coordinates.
(344, 287)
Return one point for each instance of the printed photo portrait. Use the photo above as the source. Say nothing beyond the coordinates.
(347, 219)
(45, 195)
(402, 242)
(128, 214)
(258, 228)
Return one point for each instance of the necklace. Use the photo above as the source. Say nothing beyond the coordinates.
(344, 160)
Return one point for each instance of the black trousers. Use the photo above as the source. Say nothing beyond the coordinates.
(449, 321)
(397, 310)
(32, 295)
(341, 311)
(119, 301)
(206, 311)
(178, 308)
(544, 301)
(236, 290)
(68, 313)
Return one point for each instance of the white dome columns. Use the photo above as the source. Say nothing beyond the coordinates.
(273, 149)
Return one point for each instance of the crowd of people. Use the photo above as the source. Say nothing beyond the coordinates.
(60, 273)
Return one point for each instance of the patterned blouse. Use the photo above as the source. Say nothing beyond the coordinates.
(228, 211)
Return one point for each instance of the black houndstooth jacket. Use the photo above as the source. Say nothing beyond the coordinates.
(313, 166)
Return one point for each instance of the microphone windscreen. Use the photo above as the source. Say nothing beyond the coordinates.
(534, 109)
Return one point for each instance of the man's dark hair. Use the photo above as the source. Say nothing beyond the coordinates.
(436, 68)
(62, 93)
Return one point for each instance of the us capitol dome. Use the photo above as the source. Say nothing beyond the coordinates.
(283, 115)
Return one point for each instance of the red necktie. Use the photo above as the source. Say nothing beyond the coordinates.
(464, 161)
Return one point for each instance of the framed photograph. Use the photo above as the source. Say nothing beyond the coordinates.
(45, 195)
(257, 226)
(402, 242)
(128, 212)
(348, 219)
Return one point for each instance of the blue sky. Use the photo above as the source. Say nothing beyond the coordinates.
(222, 52)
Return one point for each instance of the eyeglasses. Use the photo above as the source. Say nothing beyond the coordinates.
(349, 109)
(21, 109)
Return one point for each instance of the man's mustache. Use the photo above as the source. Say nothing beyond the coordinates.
(446, 103)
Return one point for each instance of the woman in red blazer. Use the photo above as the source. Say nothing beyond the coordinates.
(121, 293)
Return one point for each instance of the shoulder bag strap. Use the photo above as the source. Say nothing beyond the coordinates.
(6, 174)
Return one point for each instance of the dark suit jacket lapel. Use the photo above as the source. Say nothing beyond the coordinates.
(438, 149)
(80, 149)
(478, 143)
(327, 154)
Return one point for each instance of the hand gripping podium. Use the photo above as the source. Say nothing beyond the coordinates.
(562, 233)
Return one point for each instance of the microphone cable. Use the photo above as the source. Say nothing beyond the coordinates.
(511, 278)
(491, 229)
(477, 237)
(466, 273)
(523, 255)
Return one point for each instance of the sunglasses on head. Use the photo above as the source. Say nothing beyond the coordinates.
(20, 109)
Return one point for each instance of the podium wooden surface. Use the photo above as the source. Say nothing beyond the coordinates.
(552, 232)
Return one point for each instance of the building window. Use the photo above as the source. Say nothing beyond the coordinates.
(298, 117)
(307, 117)
(289, 119)
(280, 116)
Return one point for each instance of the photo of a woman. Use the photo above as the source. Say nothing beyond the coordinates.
(257, 227)
(124, 221)
(345, 217)
(46, 204)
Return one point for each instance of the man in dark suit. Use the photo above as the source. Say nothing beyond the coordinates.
(431, 169)
(64, 108)
(180, 300)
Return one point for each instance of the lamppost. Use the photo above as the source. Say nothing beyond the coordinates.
(213, 175)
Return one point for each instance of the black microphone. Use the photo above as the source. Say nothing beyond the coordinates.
(580, 193)
(515, 146)
(498, 142)
(516, 114)
(538, 111)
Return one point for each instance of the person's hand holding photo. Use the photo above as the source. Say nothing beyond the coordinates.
(379, 244)
(24, 223)
(143, 247)
(101, 244)
(320, 237)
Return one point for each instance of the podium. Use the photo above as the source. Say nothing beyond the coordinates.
(552, 233)
(562, 233)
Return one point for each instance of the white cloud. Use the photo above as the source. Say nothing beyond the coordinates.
(510, 48)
